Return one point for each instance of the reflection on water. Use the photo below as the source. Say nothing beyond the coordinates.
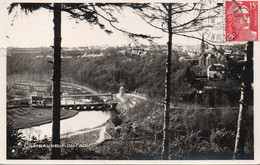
(83, 120)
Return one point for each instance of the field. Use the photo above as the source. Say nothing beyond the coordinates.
(24, 117)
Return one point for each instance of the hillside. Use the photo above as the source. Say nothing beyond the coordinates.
(138, 74)
(196, 131)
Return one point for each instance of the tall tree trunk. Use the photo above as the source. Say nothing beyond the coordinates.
(56, 150)
(247, 80)
(165, 150)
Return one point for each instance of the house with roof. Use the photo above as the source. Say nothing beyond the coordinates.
(216, 72)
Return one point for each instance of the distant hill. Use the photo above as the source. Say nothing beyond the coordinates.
(106, 73)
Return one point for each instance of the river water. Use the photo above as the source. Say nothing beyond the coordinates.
(80, 123)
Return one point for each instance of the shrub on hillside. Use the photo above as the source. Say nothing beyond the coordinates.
(19, 148)
(14, 140)
(194, 133)
(222, 140)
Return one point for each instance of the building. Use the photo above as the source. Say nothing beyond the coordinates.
(211, 59)
(200, 72)
(41, 101)
(207, 59)
(202, 59)
(216, 72)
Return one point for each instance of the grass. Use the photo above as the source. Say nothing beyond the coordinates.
(85, 138)
(24, 117)
(194, 134)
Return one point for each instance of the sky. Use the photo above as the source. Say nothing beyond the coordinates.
(36, 30)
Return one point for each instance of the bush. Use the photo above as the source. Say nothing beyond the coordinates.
(222, 140)
(19, 148)
(194, 133)
(14, 140)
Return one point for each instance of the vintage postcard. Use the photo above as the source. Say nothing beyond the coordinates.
(130, 82)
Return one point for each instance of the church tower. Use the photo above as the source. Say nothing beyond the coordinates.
(202, 45)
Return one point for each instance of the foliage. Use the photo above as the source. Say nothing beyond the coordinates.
(101, 15)
(195, 133)
(140, 74)
(79, 153)
(19, 148)
(223, 140)
(14, 138)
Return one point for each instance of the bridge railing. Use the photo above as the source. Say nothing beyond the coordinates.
(87, 95)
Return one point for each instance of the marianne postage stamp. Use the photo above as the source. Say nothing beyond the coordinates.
(241, 20)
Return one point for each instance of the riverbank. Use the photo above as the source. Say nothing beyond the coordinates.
(25, 117)
(99, 134)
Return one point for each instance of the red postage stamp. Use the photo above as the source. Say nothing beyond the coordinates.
(241, 20)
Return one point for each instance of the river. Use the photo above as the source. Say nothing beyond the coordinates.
(83, 121)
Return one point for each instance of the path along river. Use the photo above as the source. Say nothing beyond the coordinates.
(83, 122)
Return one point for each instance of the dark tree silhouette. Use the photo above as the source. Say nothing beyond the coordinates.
(92, 13)
(165, 151)
(56, 151)
(245, 98)
(168, 17)
(241, 72)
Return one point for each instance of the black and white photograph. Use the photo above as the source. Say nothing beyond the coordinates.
(126, 81)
